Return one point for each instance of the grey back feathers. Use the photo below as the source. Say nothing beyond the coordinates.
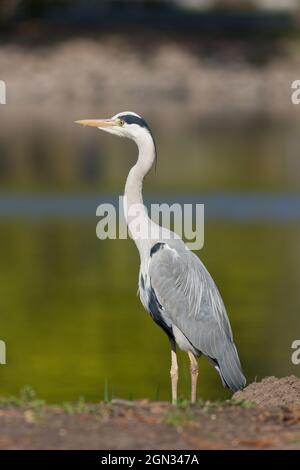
(190, 301)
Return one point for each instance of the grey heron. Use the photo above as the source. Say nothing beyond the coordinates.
(174, 285)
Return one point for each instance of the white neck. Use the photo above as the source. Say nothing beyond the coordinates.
(135, 212)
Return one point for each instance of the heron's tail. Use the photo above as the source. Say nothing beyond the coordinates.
(230, 369)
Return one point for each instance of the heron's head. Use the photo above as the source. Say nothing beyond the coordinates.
(124, 124)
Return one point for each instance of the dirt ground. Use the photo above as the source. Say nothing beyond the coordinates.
(273, 422)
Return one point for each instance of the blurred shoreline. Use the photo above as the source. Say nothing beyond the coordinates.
(167, 74)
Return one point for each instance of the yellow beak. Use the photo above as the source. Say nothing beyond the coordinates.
(99, 122)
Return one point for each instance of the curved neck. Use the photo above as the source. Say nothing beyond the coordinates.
(134, 210)
(134, 182)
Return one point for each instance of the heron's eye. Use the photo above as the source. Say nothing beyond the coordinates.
(122, 122)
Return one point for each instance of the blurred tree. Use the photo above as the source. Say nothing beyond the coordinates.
(40, 8)
(8, 9)
(34, 8)
(140, 4)
(234, 4)
(11, 9)
(157, 3)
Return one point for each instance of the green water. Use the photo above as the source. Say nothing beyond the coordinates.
(70, 316)
(72, 321)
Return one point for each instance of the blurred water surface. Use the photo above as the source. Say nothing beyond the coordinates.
(69, 312)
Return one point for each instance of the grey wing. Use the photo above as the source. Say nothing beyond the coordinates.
(192, 303)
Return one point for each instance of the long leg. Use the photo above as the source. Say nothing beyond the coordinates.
(194, 375)
(174, 372)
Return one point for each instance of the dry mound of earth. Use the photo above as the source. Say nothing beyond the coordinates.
(272, 391)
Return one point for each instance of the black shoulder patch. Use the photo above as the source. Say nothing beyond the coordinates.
(142, 282)
(154, 308)
(156, 248)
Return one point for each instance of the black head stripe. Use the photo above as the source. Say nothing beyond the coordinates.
(132, 119)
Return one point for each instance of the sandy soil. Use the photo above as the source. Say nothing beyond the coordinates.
(273, 424)
(272, 392)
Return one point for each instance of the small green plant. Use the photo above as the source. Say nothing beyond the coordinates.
(78, 407)
(107, 393)
(201, 403)
(179, 414)
(182, 403)
(241, 403)
(27, 397)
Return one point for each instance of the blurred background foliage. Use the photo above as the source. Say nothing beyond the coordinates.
(219, 103)
(76, 10)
